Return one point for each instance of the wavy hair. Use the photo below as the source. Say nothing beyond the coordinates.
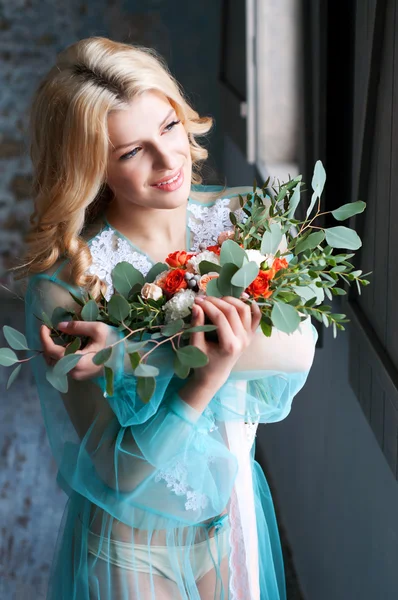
(69, 144)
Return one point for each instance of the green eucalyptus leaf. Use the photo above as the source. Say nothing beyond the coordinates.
(266, 328)
(134, 360)
(146, 388)
(310, 242)
(46, 320)
(125, 276)
(285, 317)
(245, 275)
(7, 357)
(212, 288)
(338, 291)
(317, 184)
(294, 202)
(109, 381)
(348, 210)
(173, 327)
(78, 300)
(343, 237)
(66, 364)
(231, 252)
(16, 340)
(203, 328)
(61, 315)
(182, 371)
(206, 266)
(191, 356)
(102, 356)
(155, 271)
(90, 311)
(310, 291)
(118, 308)
(134, 346)
(271, 239)
(73, 346)
(59, 382)
(224, 284)
(144, 370)
(13, 376)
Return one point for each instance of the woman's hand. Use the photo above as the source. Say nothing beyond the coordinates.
(85, 368)
(236, 322)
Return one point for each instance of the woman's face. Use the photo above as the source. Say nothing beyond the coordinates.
(148, 145)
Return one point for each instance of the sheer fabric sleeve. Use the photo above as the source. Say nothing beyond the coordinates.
(145, 464)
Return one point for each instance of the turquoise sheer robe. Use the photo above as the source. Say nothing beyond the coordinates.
(164, 501)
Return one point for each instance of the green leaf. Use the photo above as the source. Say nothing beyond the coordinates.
(245, 275)
(271, 239)
(173, 327)
(348, 210)
(294, 202)
(59, 382)
(134, 346)
(15, 339)
(231, 252)
(317, 184)
(134, 360)
(118, 308)
(90, 311)
(285, 317)
(310, 242)
(338, 291)
(182, 371)
(205, 266)
(66, 364)
(155, 271)
(7, 357)
(46, 320)
(102, 356)
(191, 356)
(145, 388)
(125, 276)
(203, 328)
(13, 376)
(144, 370)
(212, 288)
(73, 346)
(77, 299)
(266, 328)
(343, 237)
(109, 379)
(232, 218)
(224, 284)
(59, 315)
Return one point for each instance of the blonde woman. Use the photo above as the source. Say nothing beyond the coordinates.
(165, 498)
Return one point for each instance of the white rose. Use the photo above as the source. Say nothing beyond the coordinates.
(179, 306)
(205, 255)
(151, 291)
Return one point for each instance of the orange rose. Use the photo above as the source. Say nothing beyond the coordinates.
(204, 280)
(260, 286)
(278, 264)
(215, 249)
(178, 258)
(174, 281)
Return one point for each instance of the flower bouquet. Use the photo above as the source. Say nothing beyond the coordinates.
(288, 266)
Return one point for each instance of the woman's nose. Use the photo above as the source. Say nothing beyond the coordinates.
(163, 159)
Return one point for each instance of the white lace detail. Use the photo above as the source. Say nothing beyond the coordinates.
(211, 220)
(107, 250)
(238, 583)
(251, 430)
(175, 479)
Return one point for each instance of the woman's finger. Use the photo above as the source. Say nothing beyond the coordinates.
(256, 315)
(231, 313)
(198, 318)
(243, 311)
(51, 350)
(226, 335)
(93, 329)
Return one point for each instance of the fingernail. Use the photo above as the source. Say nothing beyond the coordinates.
(199, 299)
(64, 324)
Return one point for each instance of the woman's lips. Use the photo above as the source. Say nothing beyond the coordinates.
(173, 185)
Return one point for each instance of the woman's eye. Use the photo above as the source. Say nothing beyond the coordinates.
(171, 125)
(130, 154)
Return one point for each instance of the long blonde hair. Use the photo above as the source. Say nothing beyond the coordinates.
(69, 144)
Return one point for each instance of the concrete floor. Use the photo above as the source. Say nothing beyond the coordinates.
(31, 505)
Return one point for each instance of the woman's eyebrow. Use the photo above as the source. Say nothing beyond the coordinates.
(132, 143)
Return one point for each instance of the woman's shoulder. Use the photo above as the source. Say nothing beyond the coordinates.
(208, 194)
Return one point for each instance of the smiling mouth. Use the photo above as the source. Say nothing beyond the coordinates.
(171, 180)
